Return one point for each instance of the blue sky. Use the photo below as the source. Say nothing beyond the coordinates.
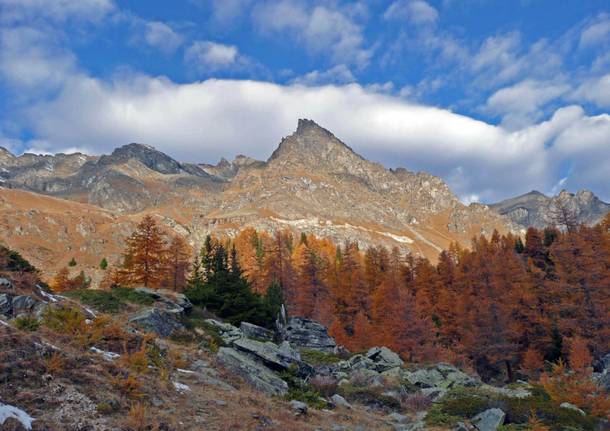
(496, 97)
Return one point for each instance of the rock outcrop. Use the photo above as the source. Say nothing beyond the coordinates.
(307, 334)
(158, 321)
(535, 209)
(256, 374)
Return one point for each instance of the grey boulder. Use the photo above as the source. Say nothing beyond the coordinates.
(227, 332)
(161, 322)
(257, 332)
(308, 334)
(384, 358)
(489, 420)
(252, 372)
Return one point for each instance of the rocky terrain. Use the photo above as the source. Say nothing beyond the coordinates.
(313, 182)
(535, 209)
(140, 359)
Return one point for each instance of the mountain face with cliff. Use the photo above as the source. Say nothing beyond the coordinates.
(535, 209)
(312, 182)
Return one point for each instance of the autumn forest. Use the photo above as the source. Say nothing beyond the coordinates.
(501, 306)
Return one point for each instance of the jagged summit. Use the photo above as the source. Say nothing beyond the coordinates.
(310, 142)
(535, 209)
(146, 154)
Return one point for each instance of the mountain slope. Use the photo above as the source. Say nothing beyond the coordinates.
(535, 209)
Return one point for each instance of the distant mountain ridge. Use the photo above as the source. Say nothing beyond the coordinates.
(535, 209)
(312, 182)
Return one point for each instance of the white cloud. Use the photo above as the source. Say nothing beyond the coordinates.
(502, 59)
(520, 105)
(322, 29)
(416, 11)
(207, 56)
(340, 74)
(56, 10)
(595, 32)
(156, 34)
(595, 90)
(205, 120)
(224, 12)
(29, 59)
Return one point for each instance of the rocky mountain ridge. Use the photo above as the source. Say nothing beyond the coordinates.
(312, 182)
(535, 209)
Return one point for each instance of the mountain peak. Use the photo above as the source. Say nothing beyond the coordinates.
(306, 126)
(145, 154)
(311, 141)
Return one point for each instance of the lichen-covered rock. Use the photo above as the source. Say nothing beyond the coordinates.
(425, 378)
(6, 305)
(270, 355)
(384, 358)
(227, 332)
(254, 373)
(23, 304)
(160, 322)
(257, 332)
(489, 420)
(306, 334)
(173, 301)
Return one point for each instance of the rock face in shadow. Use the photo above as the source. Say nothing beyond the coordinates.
(256, 374)
(307, 334)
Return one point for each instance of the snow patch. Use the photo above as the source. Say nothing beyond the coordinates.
(109, 356)
(2, 322)
(50, 297)
(315, 222)
(181, 387)
(7, 412)
(180, 370)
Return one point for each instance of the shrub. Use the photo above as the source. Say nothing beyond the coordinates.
(183, 336)
(72, 262)
(104, 264)
(437, 418)
(415, 402)
(325, 385)
(317, 358)
(128, 386)
(302, 391)
(137, 419)
(369, 396)
(55, 363)
(27, 323)
(65, 320)
(104, 408)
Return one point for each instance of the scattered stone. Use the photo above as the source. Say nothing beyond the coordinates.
(257, 332)
(23, 304)
(489, 420)
(6, 283)
(425, 378)
(173, 301)
(461, 426)
(384, 358)
(435, 394)
(299, 407)
(398, 418)
(571, 406)
(254, 373)
(339, 401)
(221, 403)
(161, 322)
(308, 334)
(6, 305)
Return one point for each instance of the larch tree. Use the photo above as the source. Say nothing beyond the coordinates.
(178, 263)
(145, 254)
